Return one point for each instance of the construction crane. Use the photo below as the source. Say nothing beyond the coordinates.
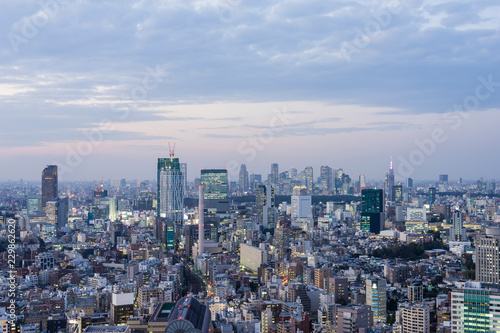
(171, 149)
(99, 187)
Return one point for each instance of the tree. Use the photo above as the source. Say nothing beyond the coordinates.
(391, 319)
(392, 304)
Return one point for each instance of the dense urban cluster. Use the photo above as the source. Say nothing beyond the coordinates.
(286, 253)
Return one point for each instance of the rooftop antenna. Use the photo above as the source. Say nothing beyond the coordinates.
(171, 149)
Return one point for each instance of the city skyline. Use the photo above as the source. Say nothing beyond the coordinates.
(234, 177)
(323, 80)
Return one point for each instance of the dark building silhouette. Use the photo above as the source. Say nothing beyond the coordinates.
(49, 184)
(372, 208)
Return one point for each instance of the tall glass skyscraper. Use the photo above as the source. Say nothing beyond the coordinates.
(49, 184)
(170, 199)
(372, 208)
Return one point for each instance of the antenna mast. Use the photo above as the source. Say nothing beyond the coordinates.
(171, 149)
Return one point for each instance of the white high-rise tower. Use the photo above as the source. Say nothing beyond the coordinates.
(201, 223)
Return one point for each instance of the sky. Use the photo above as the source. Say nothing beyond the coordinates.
(101, 87)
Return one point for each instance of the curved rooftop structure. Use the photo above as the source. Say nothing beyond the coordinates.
(189, 315)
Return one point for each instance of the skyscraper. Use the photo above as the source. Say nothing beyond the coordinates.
(372, 208)
(443, 179)
(362, 181)
(170, 198)
(255, 180)
(274, 173)
(264, 203)
(57, 211)
(309, 179)
(184, 170)
(243, 179)
(376, 297)
(488, 256)
(201, 223)
(457, 232)
(326, 174)
(397, 194)
(49, 184)
(409, 182)
(432, 195)
(389, 182)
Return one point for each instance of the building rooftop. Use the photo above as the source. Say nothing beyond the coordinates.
(106, 329)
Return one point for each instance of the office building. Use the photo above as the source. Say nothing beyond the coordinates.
(254, 181)
(45, 260)
(184, 170)
(57, 210)
(215, 189)
(416, 292)
(353, 319)
(326, 177)
(416, 220)
(34, 203)
(443, 179)
(274, 174)
(457, 232)
(376, 297)
(488, 256)
(149, 295)
(409, 182)
(474, 309)
(170, 198)
(191, 235)
(372, 208)
(397, 194)
(319, 276)
(301, 206)
(339, 288)
(243, 179)
(252, 257)
(309, 179)
(362, 182)
(122, 308)
(264, 205)
(270, 315)
(189, 315)
(416, 318)
(49, 184)
(327, 315)
(432, 195)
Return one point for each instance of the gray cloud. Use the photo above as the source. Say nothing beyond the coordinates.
(91, 54)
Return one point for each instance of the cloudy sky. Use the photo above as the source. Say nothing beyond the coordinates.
(100, 87)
